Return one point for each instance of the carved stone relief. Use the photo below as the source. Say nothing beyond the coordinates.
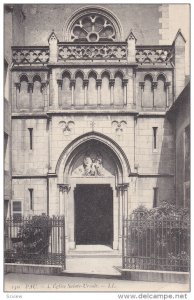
(67, 126)
(119, 126)
(92, 165)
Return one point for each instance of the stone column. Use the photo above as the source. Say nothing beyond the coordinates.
(154, 86)
(142, 84)
(112, 82)
(125, 82)
(60, 83)
(167, 85)
(85, 83)
(18, 87)
(120, 221)
(72, 84)
(63, 202)
(30, 91)
(99, 83)
(43, 91)
(122, 190)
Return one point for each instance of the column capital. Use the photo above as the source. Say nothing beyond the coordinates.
(167, 84)
(122, 186)
(64, 187)
(60, 82)
(154, 84)
(18, 85)
(142, 84)
(30, 86)
(85, 82)
(99, 82)
(112, 82)
(72, 82)
(125, 81)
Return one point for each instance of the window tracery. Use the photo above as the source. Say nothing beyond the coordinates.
(93, 28)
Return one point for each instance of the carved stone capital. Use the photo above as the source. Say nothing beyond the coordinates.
(142, 84)
(65, 187)
(18, 85)
(112, 82)
(99, 82)
(60, 82)
(43, 86)
(125, 81)
(30, 86)
(154, 84)
(123, 186)
(85, 82)
(167, 84)
(72, 82)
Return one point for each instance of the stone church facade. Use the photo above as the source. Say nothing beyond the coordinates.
(90, 137)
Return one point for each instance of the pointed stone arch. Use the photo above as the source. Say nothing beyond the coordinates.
(64, 162)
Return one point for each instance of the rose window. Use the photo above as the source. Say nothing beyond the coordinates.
(93, 28)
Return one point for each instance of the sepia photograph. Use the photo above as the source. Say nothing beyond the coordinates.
(96, 148)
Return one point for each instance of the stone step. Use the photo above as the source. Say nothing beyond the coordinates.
(93, 265)
(93, 251)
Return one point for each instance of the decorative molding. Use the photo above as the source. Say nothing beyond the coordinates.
(142, 84)
(64, 187)
(98, 51)
(119, 126)
(122, 186)
(30, 55)
(18, 85)
(60, 82)
(52, 38)
(154, 55)
(131, 36)
(67, 126)
(154, 84)
(100, 13)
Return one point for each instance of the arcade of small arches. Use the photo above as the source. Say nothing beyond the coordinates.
(80, 89)
(154, 93)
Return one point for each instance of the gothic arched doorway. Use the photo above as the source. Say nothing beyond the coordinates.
(93, 172)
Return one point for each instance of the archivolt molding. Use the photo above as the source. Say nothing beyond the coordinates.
(69, 152)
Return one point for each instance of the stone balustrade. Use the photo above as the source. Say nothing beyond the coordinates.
(154, 55)
(25, 55)
(105, 51)
(144, 55)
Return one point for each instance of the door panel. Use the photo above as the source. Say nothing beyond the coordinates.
(93, 214)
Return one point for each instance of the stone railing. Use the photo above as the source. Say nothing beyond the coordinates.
(144, 55)
(154, 55)
(97, 51)
(35, 55)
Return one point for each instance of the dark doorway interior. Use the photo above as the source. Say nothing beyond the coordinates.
(94, 214)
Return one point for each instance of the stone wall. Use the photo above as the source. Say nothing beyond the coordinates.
(179, 116)
(55, 16)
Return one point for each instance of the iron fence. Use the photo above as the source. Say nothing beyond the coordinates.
(35, 240)
(156, 243)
